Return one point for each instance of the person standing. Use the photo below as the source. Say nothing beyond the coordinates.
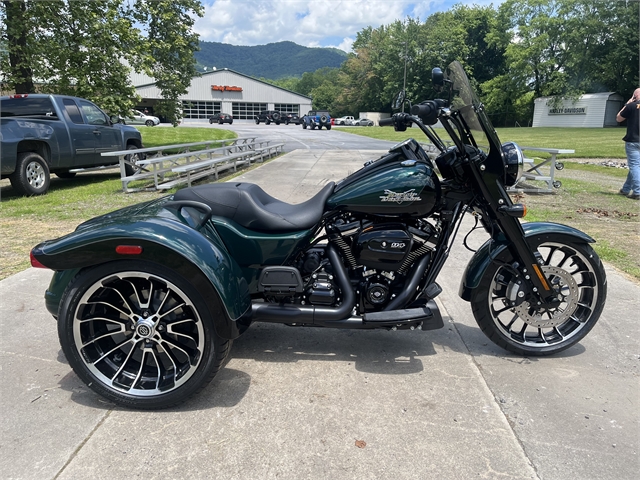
(631, 113)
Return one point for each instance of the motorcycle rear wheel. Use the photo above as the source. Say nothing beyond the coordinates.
(578, 278)
(139, 335)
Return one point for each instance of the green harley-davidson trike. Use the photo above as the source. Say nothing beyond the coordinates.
(149, 298)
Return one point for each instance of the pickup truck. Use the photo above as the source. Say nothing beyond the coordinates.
(344, 121)
(43, 134)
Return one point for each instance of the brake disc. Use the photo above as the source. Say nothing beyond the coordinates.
(566, 290)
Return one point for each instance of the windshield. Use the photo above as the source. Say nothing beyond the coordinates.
(465, 101)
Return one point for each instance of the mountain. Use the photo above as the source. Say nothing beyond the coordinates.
(272, 61)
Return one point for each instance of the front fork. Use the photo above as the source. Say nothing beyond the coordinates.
(540, 290)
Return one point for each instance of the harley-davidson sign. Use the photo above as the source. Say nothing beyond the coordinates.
(226, 88)
(568, 111)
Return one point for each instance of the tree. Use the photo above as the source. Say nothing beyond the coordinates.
(86, 47)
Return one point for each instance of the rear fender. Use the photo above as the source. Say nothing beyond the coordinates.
(202, 261)
(492, 249)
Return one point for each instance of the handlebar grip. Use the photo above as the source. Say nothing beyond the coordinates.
(423, 109)
(386, 122)
(427, 111)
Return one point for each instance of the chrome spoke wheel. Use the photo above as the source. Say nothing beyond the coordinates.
(138, 333)
(505, 310)
(573, 280)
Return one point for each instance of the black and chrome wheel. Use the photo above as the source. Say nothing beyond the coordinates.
(149, 123)
(139, 335)
(578, 280)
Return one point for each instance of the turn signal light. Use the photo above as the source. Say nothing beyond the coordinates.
(129, 249)
(517, 210)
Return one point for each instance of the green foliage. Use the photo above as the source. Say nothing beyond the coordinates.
(515, 53)
(85, 47)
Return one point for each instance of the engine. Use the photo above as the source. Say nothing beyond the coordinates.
(379, 255)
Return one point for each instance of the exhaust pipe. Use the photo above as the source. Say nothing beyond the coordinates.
(427, 317)
(310, 315)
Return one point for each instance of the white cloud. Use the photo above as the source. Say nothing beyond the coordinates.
(258, 22)
(312, 23)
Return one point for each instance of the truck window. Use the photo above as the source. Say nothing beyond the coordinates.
(73, 111)
(94, 114)
(27, 107)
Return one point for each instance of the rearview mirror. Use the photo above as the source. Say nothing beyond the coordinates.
(437, 77)
(398, 100)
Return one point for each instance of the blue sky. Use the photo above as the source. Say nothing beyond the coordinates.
(313, 23)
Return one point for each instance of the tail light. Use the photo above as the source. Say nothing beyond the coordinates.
(34, 261)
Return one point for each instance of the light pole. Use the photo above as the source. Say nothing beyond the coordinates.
(404, 81)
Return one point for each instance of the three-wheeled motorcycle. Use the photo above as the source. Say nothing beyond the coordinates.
(149, 298)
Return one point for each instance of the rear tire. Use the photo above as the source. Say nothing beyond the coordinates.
(139, 334)
(31, 176)
(577, 277)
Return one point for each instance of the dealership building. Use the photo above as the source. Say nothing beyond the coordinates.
(225, 91)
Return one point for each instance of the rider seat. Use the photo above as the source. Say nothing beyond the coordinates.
(250, 206)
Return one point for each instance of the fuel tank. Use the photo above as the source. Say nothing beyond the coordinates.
(390, 186)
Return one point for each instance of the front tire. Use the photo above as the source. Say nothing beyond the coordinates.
(149, 123)
(31, 176)
(576, 275)
(140, 335)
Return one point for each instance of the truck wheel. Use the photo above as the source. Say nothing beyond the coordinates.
(131, 162)
(31, 176)
(328, 127)
(257, 121)
(304, 126)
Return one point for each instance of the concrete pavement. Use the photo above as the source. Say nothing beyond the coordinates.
(292, 403)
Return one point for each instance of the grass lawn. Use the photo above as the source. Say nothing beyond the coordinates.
(587, 142)
(155, 136)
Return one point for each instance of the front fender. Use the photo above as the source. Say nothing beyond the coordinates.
(492, 248)
(201, 260)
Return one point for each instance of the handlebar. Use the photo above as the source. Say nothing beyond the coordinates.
(427, 111)
(387, 122)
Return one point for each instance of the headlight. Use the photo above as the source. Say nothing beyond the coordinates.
(513, 160)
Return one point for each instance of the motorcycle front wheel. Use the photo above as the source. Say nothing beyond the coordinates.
(139, 335)
(578, 279)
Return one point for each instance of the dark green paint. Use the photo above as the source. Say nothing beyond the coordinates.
(164, 239)
(365, 193)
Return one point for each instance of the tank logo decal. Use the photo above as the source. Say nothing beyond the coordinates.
(408, 196)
